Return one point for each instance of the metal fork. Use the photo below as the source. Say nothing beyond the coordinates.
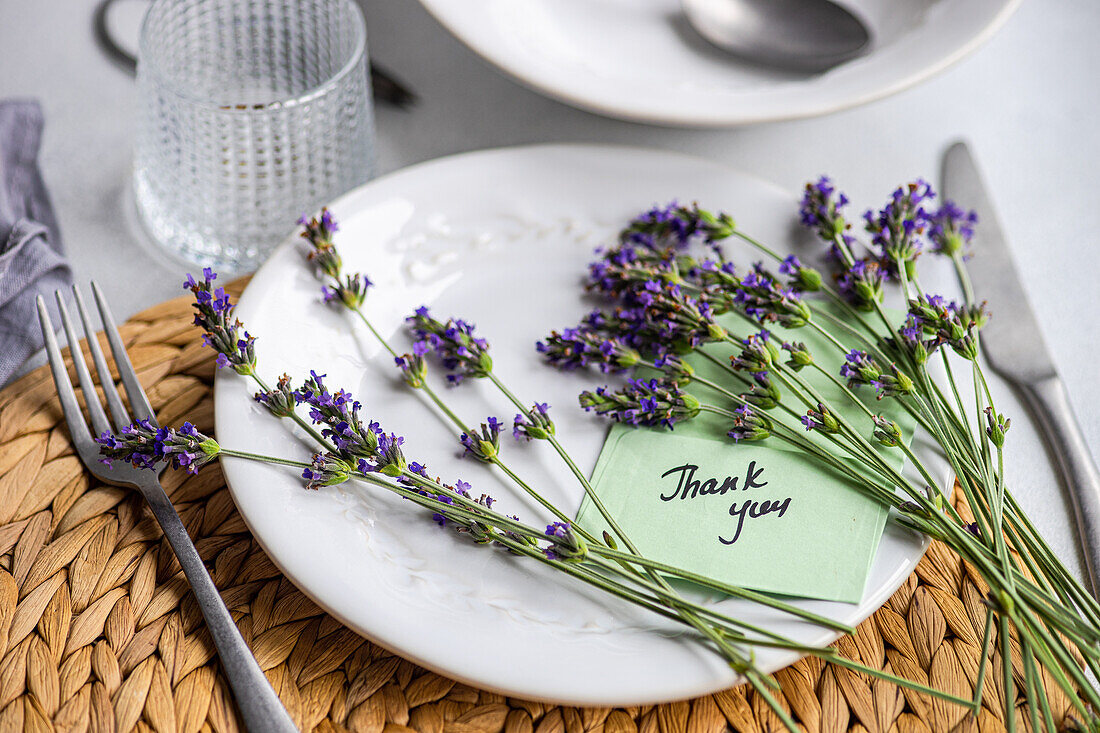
(259, 705)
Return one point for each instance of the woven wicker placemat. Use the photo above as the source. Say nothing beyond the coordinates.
(99, 632)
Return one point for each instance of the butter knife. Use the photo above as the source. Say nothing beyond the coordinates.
(1015, 349)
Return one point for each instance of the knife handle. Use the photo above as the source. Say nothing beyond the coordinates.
(1050, 402)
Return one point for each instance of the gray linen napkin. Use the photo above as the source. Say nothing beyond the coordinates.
(31, 259)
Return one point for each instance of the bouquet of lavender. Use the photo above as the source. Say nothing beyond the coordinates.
(666, 283)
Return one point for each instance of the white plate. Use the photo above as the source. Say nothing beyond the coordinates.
(638, 59)
(500, 238)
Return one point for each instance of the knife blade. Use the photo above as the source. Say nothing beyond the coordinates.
(1013, 344)
(1012, 340)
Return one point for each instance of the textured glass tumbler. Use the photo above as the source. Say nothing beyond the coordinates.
(251, 113)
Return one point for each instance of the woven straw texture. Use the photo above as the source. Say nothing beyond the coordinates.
(98, 631)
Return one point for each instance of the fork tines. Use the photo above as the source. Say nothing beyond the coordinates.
(120, 417)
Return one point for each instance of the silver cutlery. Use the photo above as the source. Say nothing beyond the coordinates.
(802, 35)
(1014, 347)
(260, 707)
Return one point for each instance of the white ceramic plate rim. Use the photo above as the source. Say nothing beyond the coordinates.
(751, 107)
(229, 407)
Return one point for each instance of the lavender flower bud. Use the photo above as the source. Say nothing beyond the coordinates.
(462, 353)
(951, 229)
(144, 445)
(800, 355)
(748, 425)
(390, 461)
(339, 414)
(674, 226)
(996, 427)
(859, 368)
(760, 296)
(764, 393)
(861, 284)
(535, 424)
(820, 211)
(911, 339)
(326, 470)
(221, 332)
(820, 419)
(564, 545)
(674, 367)
(653, 403)
(802, 278)
(318, 232)
(280, 400)
(483, 445)
(350, 293)
(583, 347)
(758, 354)
(896, 229)
(887, 431)
(413, 367)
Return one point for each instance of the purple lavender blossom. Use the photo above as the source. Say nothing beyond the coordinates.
(764, 393)
(947, 323)
(279, 400)
(820, 211)
(413, 368)
(760, 296)
(564, 545)
(583, 346)
(861, 284)
(350, 293)
(652, 403)
(821, 419)
(221, 331)
(951, 228)
(860, 368)
(483, 445)
(897, 228)
(144, 445)
(339, 414)
(749, 426)
(758, 354)
(326, 469)
(318, 232)
(535, 424)
(803, 278)
(674, 226)
(463, 354)
(389, 459)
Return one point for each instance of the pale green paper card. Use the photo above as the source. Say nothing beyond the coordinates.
(762, 515)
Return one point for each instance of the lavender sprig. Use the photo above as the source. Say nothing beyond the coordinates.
(143, 445)
(896, 229)
(674, 226)
(821, 211)
(652, 403)
(221, 331)
(951, 229)
(347, 290)
(462, 353)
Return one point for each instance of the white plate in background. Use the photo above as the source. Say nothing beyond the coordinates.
(640, 60)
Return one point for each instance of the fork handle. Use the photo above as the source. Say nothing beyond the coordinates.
(1050, 402)
(259, 706)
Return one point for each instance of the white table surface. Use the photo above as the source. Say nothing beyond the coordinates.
(1028, 101)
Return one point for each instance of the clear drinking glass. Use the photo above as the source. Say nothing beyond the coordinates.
(251, 112)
